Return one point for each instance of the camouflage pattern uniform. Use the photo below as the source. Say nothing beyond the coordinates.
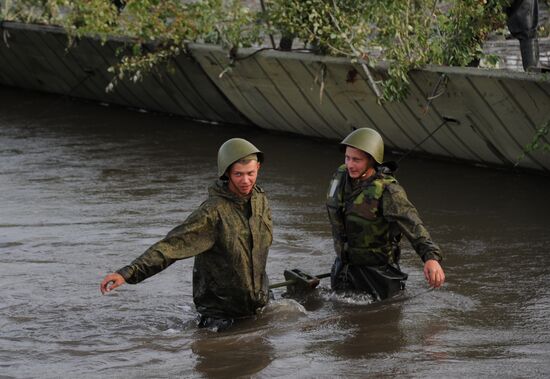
(229, 236)
(368, 219)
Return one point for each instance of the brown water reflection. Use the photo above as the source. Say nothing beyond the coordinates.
(374, 332)
(245, 354)
(85, 188)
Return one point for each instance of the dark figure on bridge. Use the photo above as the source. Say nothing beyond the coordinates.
(523, 19)
(119, 4)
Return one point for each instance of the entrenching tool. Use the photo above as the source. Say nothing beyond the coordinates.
(299, 282)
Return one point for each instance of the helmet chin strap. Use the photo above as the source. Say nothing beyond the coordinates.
(367, 173)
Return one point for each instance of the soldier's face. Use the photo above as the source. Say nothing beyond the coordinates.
(242, 177)
(357, 162)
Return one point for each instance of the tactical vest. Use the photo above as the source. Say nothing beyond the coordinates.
(361, 235)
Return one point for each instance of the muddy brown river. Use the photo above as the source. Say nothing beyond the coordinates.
(85, 188)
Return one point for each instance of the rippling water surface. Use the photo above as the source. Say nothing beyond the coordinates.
(84, 189)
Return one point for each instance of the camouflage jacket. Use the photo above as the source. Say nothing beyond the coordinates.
(229, 237)
(369, 217)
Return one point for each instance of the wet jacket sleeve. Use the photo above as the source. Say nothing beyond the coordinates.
(196, 235)
(399, 210)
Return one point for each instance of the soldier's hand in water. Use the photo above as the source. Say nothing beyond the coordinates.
(110, 282)
(434, 273)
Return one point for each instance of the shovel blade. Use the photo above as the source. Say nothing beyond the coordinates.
(301, 282)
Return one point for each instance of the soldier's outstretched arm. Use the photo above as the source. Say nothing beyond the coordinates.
(195, 236)
(110, 282)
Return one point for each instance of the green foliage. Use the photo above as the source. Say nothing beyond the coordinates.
(544, 28)
(30, 11)
(161, 28)
(158, 29)
(90, 17)
(538, 143)
(229, 24)
(333, 27)
(463, 29)
(406, 34)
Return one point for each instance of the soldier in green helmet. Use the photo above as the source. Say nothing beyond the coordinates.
(229, 235)
(369, 213)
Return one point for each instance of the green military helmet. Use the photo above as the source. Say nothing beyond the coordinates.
(367, 140)
(234, 149)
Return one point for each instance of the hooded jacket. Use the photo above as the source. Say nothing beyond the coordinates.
(229, 236)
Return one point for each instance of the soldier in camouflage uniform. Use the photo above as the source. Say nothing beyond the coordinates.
(229, 235)
(369, 212)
